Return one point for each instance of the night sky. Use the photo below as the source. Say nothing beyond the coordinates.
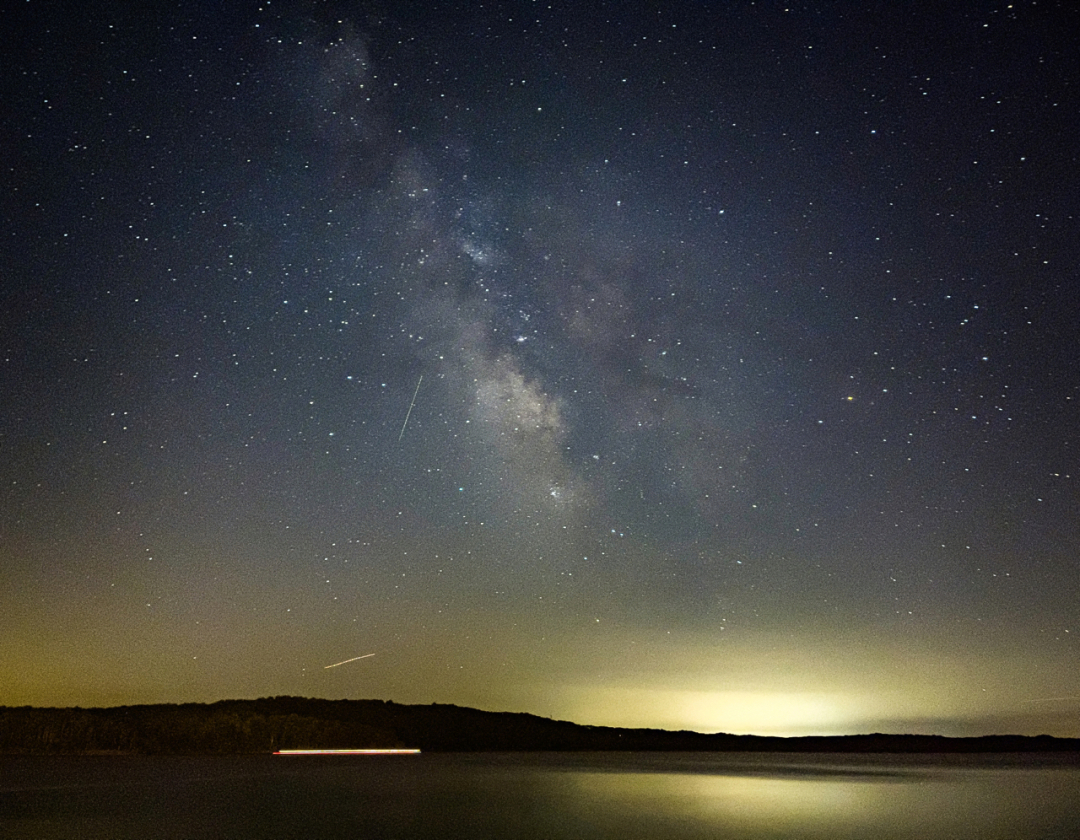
(694, 365)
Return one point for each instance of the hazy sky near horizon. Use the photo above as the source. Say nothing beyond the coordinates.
(694, 365)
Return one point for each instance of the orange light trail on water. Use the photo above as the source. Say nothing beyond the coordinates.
(346, 752)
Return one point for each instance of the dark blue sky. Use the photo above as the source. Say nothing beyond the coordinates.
(735, 343)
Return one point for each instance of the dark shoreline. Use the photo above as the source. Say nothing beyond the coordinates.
(238, 727)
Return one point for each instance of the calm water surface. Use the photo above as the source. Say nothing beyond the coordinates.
(657, 795)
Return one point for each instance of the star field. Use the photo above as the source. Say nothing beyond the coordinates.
(703, 366)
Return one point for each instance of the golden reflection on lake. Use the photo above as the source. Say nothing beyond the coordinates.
(990, 804)
(566, 796)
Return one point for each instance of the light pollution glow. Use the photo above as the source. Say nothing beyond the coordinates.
(803, 682)
(623, 377)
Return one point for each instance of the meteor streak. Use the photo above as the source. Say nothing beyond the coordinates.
(347, 661)
(411, 404)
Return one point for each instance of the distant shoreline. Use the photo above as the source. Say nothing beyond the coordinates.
(273, 724)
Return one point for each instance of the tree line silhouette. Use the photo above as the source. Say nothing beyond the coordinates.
(275, 723)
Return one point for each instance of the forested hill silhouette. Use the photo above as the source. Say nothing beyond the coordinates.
(274, 723)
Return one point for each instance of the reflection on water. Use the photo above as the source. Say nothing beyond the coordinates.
(847, 796)
(538, 796)
(744, 803)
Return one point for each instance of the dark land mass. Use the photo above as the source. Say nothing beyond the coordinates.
(231, 727)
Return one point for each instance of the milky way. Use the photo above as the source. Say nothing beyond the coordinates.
(668, 365)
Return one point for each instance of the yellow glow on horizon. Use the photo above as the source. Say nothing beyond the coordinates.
(782, 713)
(842, 682)
(766, 713)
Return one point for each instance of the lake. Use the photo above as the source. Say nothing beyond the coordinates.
(561, 795)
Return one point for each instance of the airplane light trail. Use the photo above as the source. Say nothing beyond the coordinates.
(411, 404)
(347, 661)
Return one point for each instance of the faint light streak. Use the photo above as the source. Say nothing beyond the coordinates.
(409, 412)
(347, 661)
